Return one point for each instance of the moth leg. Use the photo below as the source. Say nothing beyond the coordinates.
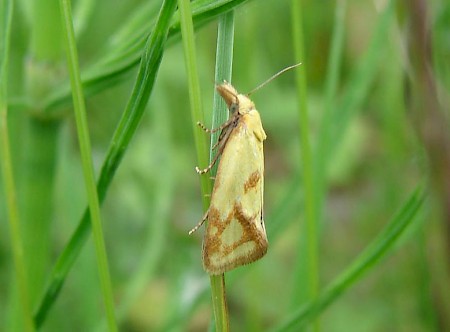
(215, 145)
(203, 171)
(205, 216)
(225, 124)
(201, 125)
(223, 133)
(227, 128)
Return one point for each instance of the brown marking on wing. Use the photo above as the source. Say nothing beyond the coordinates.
(212, 243)
(252, 181)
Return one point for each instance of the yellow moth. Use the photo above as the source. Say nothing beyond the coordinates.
(235, 233)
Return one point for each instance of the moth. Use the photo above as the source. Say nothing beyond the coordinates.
(235, 233)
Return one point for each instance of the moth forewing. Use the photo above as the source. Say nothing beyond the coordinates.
(235, 233)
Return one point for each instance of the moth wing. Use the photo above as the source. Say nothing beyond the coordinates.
(235, 234)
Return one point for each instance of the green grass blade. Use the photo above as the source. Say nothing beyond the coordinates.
(128, 123)
(195, 98)
(310, 256)
(6, 13)
(223, 72)
(84, 140)
(367, 260)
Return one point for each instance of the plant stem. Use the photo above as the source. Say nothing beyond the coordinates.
(307, 160)
(6, 11)
(88, 167)
(187, 33)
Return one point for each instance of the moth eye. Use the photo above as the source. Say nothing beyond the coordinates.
(233, 107)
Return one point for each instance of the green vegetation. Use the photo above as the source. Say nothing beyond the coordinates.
(357, 164)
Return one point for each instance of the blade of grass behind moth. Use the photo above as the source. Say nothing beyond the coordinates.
(223, 70)
(128, 123)
(384, 243)
(6, 13)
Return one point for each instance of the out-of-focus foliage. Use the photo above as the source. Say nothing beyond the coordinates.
(377, 160)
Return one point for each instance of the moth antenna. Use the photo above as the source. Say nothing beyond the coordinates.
(212, 178)
(273, 77)
(205, 216)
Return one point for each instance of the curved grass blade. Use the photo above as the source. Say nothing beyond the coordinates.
(131, 117)
(383, 244)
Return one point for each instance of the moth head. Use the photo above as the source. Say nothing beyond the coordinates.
(234, 100)
(242, 103)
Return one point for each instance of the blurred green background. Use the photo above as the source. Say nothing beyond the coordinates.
(389, 133)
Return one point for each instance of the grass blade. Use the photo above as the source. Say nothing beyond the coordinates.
(310, 256)
(79, 107)
(6, 12)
